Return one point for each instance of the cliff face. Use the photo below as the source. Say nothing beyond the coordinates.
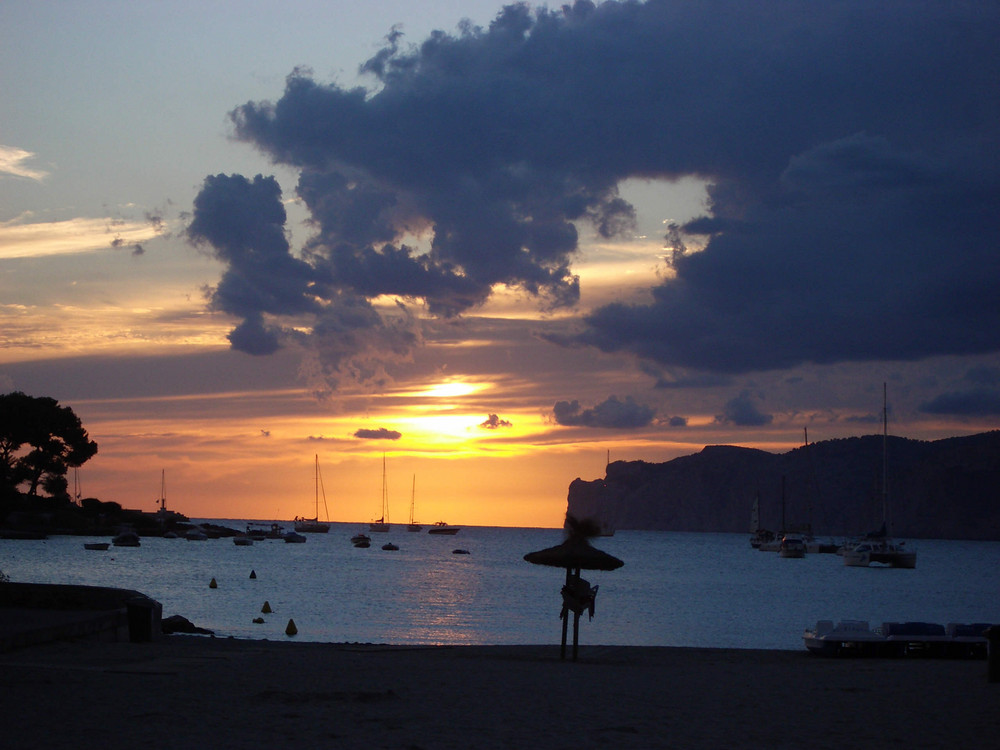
(945, 489)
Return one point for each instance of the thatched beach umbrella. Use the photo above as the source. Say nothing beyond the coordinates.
(575, 554)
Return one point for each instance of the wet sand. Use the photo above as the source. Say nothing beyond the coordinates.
(189, 691)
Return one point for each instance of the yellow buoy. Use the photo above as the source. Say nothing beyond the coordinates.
(291, 629)
(213, 584)
(266, 609)
(253, 573)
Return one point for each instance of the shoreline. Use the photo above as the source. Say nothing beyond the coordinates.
(227, 692)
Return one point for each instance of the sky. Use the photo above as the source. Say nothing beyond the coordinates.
(496, 245)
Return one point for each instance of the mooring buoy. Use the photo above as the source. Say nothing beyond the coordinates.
(253, 573)
(291, 629)
(266, 609)
(213, 584)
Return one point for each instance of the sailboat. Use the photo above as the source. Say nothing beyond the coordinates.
(879, 546)
(314, 525)
(758, 535)
(382, 524)
(413, 525)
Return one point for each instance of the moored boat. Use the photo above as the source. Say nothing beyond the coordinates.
(126, 538)
(98, 546)
(879, 550)
(314, 525)
(382, 525)
(294, 538)
(413, 525)
(879, 547)
(792, 546)
(442, 528)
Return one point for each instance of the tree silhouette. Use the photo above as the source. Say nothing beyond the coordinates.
(39, 442)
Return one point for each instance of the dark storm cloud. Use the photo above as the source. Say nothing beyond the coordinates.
(980, 399)
(972, 403)
(851, 148)
(743, 412)
(243, 221)
(380, 434)
(611, 413)
(494, 422)
(854, 161)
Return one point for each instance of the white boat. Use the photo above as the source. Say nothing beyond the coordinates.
(382, 524)
(792, 546)
(879, 547)
(897, 639)
(880, 550)
(442, 528)
(844, 638)
(413, 525)
(314, 525)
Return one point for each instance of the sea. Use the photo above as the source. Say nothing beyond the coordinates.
(675, 589)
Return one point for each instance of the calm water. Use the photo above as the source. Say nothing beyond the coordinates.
(676, 589)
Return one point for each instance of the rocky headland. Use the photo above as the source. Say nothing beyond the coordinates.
(942, 489)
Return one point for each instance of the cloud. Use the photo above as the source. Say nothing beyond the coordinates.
(20, 238)
(980, 399)
(494, 422)
(972, 403)
(243, 222)
(610, 413)
(380, 434)
(848, 147)
(12, 162)
(743, 412)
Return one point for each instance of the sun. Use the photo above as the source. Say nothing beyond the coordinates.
(451, 389)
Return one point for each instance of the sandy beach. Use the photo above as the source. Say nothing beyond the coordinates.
(190, 691)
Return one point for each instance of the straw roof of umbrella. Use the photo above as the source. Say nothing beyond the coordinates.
(576, 552)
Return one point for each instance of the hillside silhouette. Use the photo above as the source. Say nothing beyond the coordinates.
(942, 489)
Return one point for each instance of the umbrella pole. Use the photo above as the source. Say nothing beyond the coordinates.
(576, 632)
(576, 621)
(565, 623)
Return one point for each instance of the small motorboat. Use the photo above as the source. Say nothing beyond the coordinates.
(390, 547)
(362, 541)
(442, 528)
(293, 538)
(99, 546)
(126, 538)
(242, 541)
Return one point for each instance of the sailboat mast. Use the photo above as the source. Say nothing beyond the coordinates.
(385, 493)
(885, 458)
